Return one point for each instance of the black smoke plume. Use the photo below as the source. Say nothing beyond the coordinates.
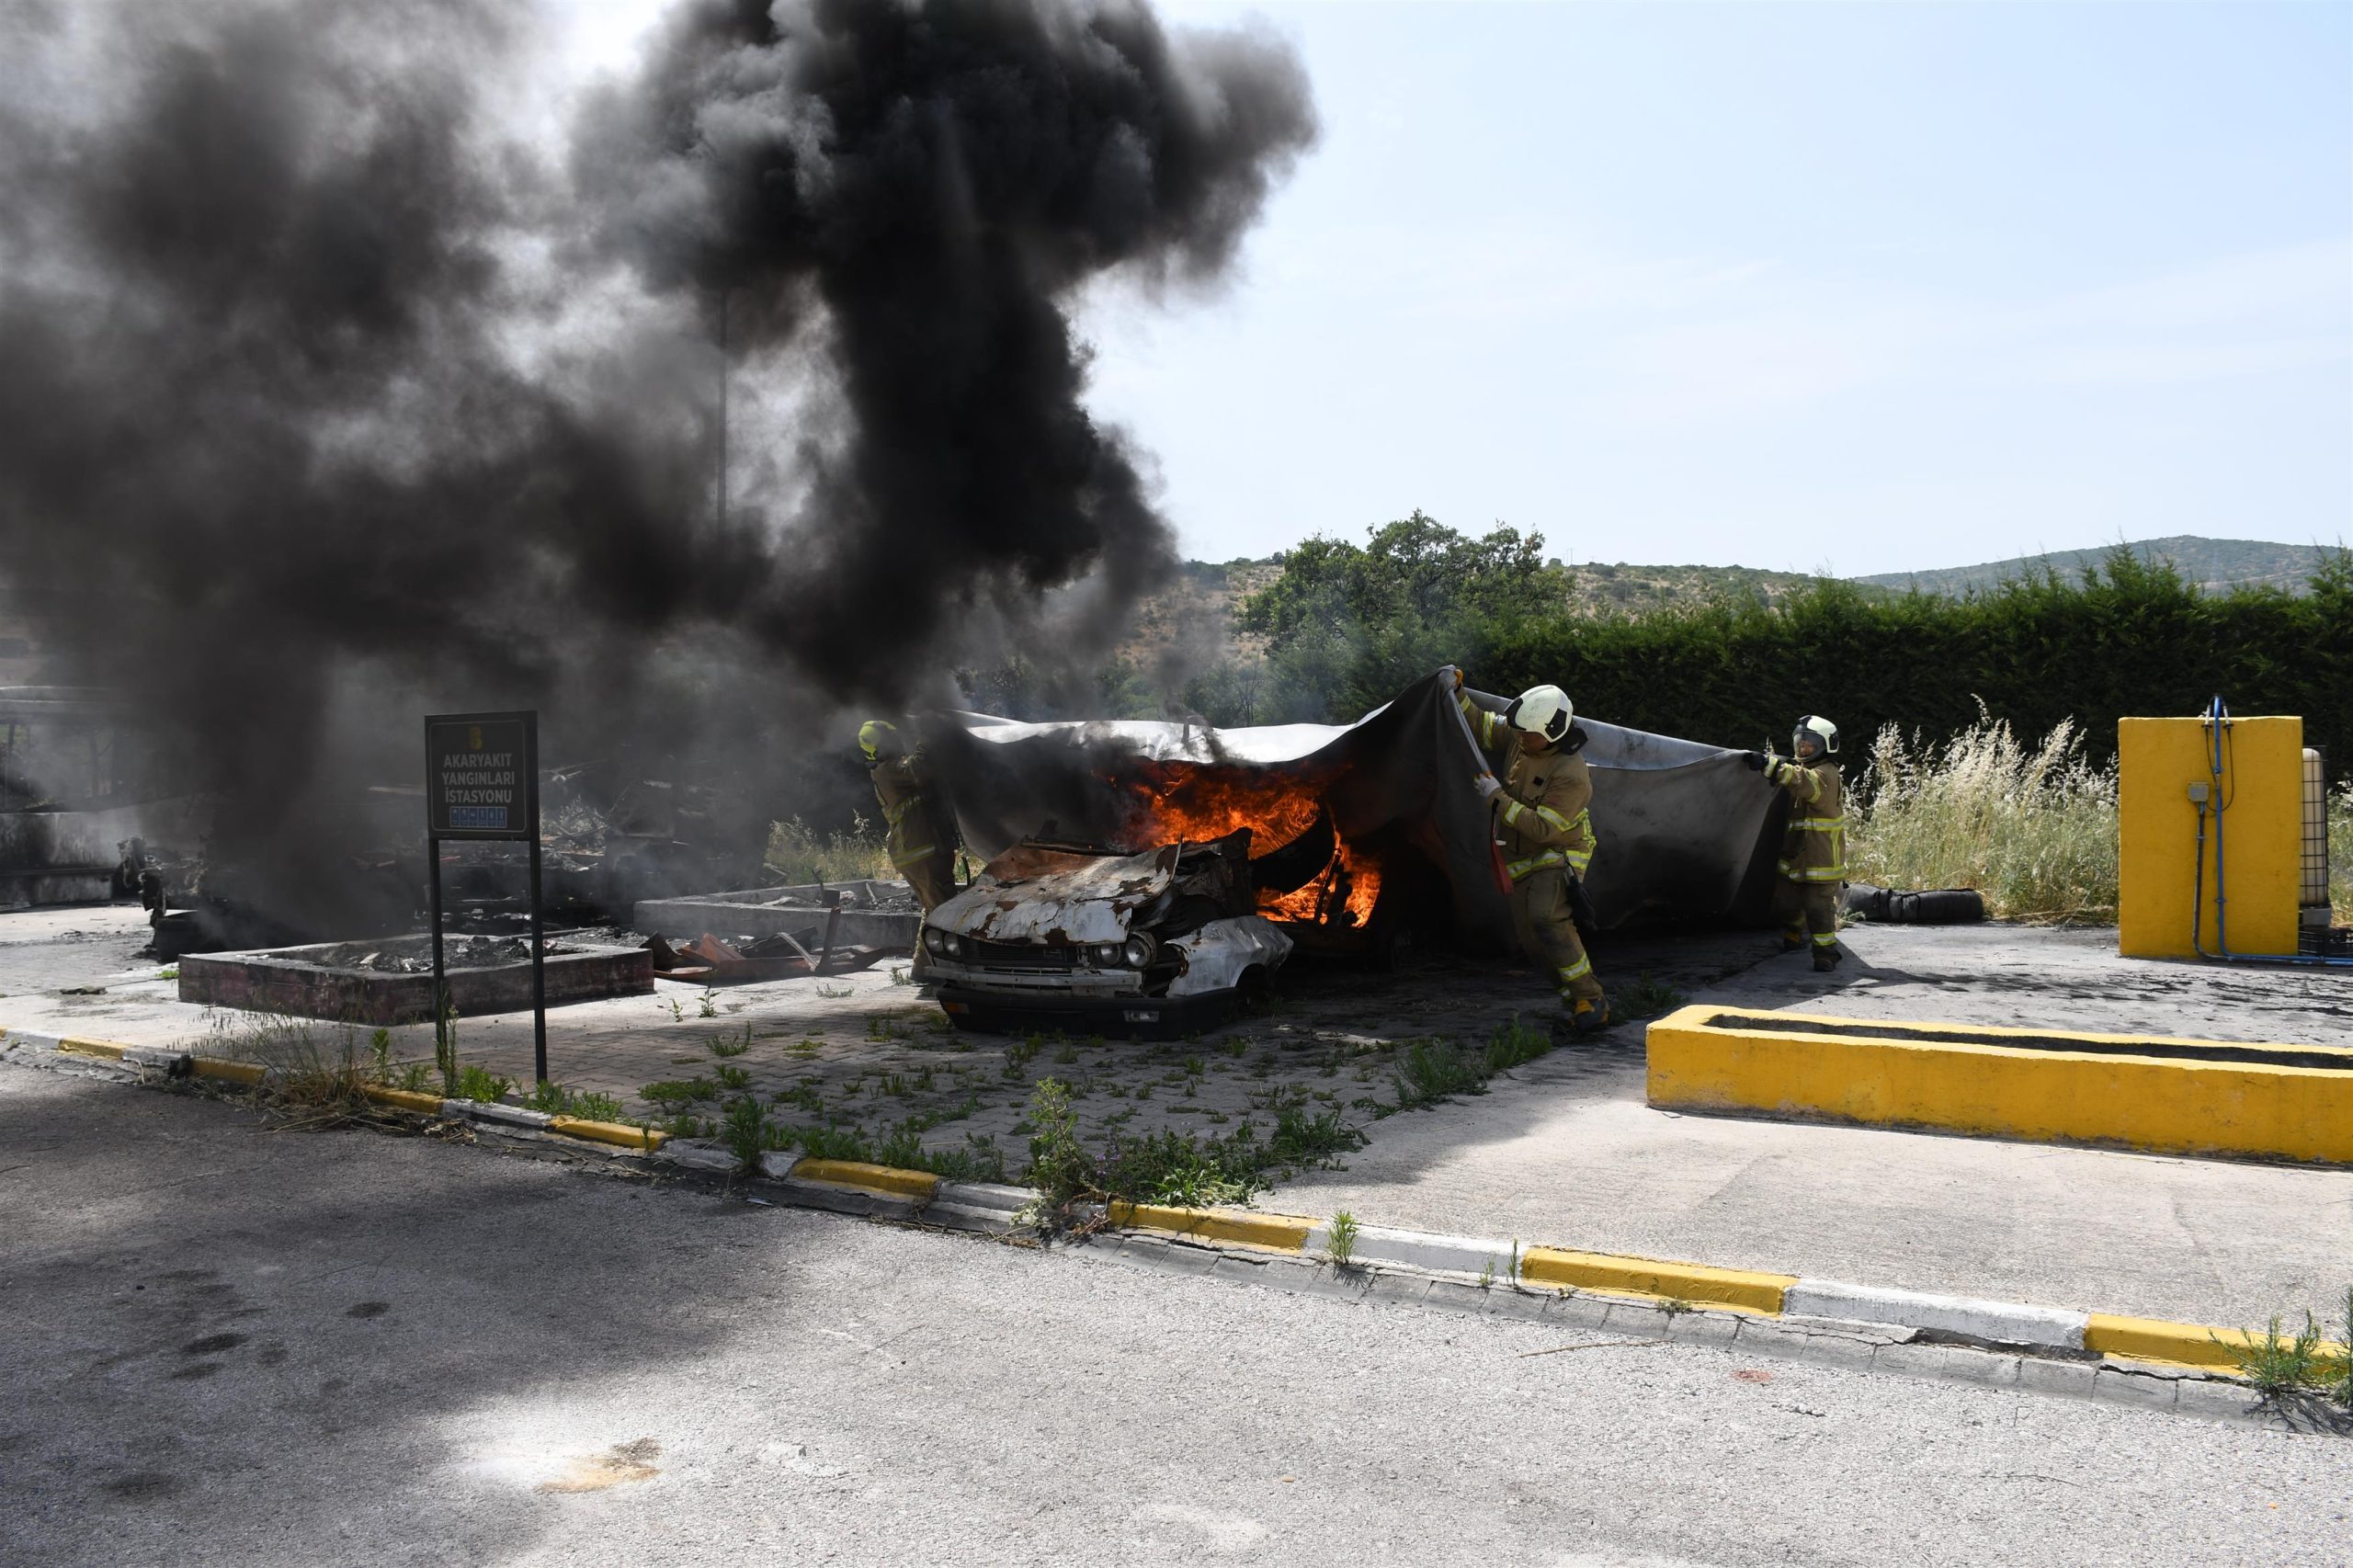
(327, 398)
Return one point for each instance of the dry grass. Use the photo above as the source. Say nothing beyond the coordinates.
(2033, 828)
(319, 1071)
(798, 855)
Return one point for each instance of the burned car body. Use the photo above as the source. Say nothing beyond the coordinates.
(1094, 938)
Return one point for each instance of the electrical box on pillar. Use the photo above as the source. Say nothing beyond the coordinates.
(2212, 835)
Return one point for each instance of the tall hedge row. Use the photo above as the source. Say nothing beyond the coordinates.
(2131, 639)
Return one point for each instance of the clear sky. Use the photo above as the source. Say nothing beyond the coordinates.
(1866, 287)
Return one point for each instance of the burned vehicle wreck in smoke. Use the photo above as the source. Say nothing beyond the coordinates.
(1095, 937)
(1376, 844)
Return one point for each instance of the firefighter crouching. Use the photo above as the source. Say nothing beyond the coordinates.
(1813, 850)
(1542, 792)
(903, 786)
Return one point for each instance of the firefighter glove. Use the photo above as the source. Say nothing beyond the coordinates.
(1488, 786)
(1755, 760)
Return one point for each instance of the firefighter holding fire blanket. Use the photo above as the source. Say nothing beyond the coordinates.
(1542, 793)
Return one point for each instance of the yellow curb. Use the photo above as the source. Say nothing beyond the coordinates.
(1734, 1290)
(104, 1051)
(878, 1178)
(1977, 1079)
(1278, 1232)
(246, 1073)
(406, 1099)
(641, 1138)
(2181, 1343)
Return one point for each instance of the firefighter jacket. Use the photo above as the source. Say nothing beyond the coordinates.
(902, 784)
(1815, 847)
(1544, 813)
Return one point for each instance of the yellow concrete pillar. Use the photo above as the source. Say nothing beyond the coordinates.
(2261, 789)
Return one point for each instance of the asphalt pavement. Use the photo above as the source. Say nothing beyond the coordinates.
(229, 1344)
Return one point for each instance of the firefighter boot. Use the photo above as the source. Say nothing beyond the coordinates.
(1589, 1015)
(1826, 959)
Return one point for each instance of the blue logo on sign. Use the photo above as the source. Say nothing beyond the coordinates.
(478, 816)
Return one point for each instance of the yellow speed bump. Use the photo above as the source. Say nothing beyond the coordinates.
(1734, 1289)
(1278, 1232)
(2156, 1093)
(874, 1178)
(2183, 1343)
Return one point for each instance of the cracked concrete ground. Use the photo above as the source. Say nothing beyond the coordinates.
(1562, 1151)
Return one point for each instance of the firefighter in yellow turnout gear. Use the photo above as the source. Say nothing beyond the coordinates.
(1542, 792)
(1813, 850)
(903, 786)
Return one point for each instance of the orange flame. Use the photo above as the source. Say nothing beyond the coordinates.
(1177, 800)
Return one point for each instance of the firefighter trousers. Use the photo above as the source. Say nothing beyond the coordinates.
(1540, 917)
(1808, 913)
(933, 878)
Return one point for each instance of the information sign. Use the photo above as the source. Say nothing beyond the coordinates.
(481, 781)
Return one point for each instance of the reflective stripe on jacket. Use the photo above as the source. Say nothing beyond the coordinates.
(1813, 848)
(1545, 810)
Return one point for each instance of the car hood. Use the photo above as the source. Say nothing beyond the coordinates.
(1032, 894)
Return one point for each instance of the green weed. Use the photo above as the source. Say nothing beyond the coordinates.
(675, 1095)
(746, 1132)
(556, 1100)
(476, 1082)
(1514, 1043)
(1340, 1239)
(1646, 998)
(1058, 1167)
(1431, 1071)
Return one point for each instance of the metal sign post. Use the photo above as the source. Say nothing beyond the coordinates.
(481, 781)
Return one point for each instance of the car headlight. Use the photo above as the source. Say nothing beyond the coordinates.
(955, 944)
(1105, 954)
(1139, 949)
(934, 939)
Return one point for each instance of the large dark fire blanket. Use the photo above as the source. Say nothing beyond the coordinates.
(1685, 830)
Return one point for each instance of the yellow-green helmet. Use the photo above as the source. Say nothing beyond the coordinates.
(873, 733)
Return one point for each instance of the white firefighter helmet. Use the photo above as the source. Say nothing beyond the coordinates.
(1542, 711)
(1824, 733)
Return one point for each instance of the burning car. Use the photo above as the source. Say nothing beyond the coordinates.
(1094, 938)
(1381, 846)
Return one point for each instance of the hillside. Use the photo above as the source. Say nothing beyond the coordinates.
(1198, 612)
(2211, 563)
(1610, 588)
